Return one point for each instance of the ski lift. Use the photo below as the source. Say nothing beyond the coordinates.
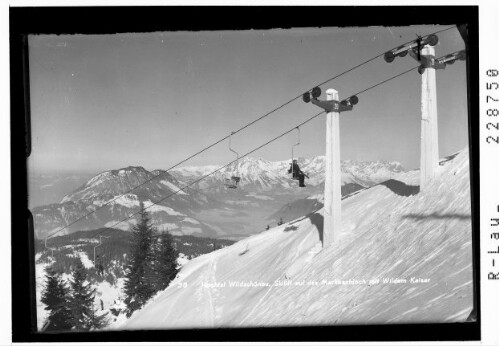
(331, 105)
(413, 47)
(232, 182)
(442, 62)
(314, 94)
(49, 248)
(294, 175)
(100, 243)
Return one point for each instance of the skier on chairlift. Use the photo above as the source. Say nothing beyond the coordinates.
(297, 173)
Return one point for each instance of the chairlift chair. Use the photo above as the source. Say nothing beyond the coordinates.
(234, 180)
(294, 175)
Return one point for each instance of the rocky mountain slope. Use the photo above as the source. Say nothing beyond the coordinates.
(173, 214)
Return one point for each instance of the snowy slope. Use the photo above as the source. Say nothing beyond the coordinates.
(419, 243)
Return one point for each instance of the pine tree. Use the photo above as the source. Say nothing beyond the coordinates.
(56, 298)
(97, 321)
(138, 286)
(83, 312)
(165, 265)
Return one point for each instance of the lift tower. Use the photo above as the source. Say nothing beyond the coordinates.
(332, 186)
(422, 50)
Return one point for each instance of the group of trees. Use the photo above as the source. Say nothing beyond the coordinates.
(151, 266)
(70, 307)
(152, 263)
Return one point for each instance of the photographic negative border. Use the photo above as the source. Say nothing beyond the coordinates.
(109, 20)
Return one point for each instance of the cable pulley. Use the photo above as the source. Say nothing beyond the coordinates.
(330, 105)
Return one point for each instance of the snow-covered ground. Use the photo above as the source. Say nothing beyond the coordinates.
(400, 257)
(87, 262)
(108, 293)
(182, 259)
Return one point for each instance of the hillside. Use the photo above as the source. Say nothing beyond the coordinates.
(305, 206)
(402, 256)
(113, 253)
(100, 199)
(113, 250)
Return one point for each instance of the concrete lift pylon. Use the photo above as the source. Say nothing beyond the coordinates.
(332, 186)
(422, 50)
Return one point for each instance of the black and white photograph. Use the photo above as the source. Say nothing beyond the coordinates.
(290, 176)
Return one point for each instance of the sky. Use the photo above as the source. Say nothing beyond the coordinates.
(101, 102)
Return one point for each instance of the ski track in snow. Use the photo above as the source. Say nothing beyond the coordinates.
(463, 285)
(213, 268)
(205, 296)
(258, 303)
(461, 314)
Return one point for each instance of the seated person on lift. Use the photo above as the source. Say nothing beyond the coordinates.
(297, 173)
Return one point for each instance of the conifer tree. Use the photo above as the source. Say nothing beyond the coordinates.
(97, 321)
(165, 264)
(83, 312)
(56, 298)
(138, 286)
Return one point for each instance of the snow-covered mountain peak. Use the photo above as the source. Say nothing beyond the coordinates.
(114, 195)
(115, 182)
(259, 174)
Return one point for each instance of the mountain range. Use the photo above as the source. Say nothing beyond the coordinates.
(97, 203)
(260, 175)
(205, 208)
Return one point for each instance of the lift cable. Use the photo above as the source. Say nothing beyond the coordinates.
(217, 170)
(386, 80)
(252, 151)
(226, 137)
